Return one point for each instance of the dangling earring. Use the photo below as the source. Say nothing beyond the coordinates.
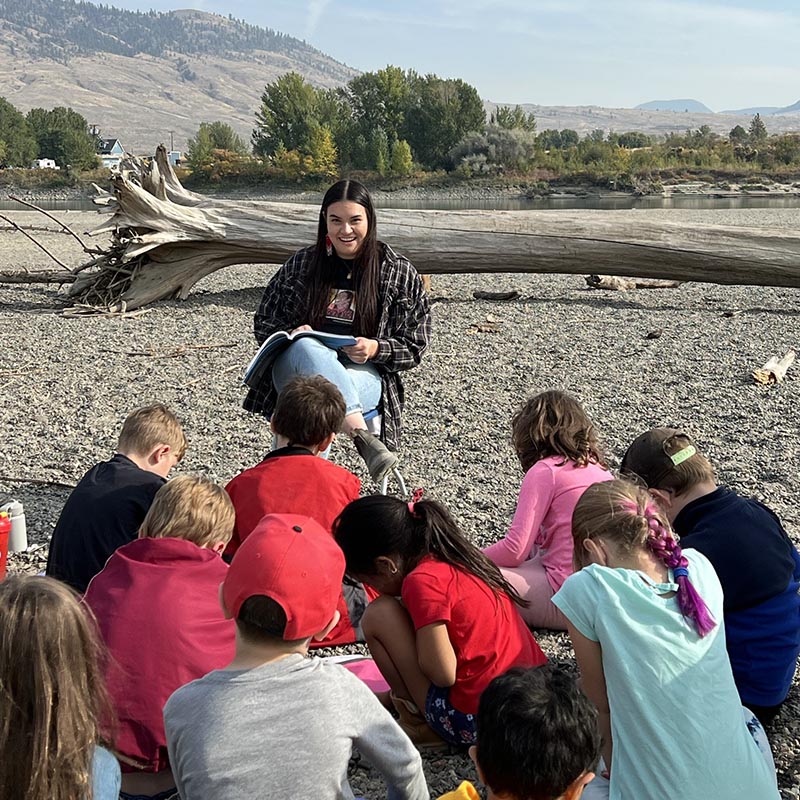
(328, 245)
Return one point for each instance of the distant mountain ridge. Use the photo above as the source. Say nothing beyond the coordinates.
(767, 111)
(181, 68)
(687, 105)
(62, 29)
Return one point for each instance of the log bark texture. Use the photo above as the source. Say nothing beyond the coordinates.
(166, 239)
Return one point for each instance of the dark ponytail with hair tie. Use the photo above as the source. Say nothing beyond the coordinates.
(379, 525)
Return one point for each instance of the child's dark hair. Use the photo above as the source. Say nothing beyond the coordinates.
(379, 525)
(308, 410)
(262, 620)
(554, 424)
(624, 514)
(537, 733)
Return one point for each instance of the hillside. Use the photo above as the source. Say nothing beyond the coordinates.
(585, 119)
(768, 111)
(691, 106)
(181, 68)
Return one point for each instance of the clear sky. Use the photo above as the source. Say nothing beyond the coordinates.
(614, 53)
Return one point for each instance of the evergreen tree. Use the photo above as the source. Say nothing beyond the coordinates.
(757, 132)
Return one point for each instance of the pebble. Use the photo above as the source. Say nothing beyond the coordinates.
(67, 384)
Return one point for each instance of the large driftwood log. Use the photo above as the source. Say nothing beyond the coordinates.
(165, 239)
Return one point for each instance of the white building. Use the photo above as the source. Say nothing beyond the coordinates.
(44, 163)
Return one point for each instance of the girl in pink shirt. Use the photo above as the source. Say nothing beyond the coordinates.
(556, 444)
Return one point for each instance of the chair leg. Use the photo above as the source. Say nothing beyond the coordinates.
(400, 482)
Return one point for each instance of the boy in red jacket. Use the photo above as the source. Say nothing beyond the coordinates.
(294, 479)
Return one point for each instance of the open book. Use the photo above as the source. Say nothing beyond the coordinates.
(275, 344)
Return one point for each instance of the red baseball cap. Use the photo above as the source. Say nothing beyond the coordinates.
(296, 562)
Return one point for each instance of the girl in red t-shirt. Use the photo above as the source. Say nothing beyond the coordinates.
(446, 622)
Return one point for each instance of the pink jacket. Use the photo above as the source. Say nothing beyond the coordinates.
(542, 524)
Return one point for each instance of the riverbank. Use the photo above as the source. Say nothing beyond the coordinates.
(68, 383)
(386, 192)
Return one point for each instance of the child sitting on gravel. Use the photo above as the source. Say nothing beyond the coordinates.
(275, 723)
(157, 610)
(645, 623)
(446, 622)
(556, 444)
(757, 564)
(107, 507)
(537, 737)
(294, 480)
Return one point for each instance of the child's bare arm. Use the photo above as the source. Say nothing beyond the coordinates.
(437, 659)
(589, 656)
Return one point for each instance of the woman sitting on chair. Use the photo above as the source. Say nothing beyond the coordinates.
(348, 283)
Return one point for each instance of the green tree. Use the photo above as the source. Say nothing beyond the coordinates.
(200, 149)
(570, 138)
(63, 135)
(495, 149)
(402, 162)
(787, 148)
(757, 132)
(223, 137)
(549, 139)
(738, 135)
(380, 100)
(633, 139)
(440, 114)
(16, 133)
(513, 119)
(333, 112)
(379, 151)
(322, 151)
(287, 115)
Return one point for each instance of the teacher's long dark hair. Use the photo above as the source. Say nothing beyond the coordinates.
(366, 266)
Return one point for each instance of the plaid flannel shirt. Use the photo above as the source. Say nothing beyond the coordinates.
(404, 329)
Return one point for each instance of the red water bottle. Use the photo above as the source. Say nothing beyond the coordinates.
(5, 531)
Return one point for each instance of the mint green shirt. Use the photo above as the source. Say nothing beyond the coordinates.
(676, 717)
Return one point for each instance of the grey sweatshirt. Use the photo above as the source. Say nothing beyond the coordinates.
(284, 730)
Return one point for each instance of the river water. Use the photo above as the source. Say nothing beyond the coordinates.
(609, 203)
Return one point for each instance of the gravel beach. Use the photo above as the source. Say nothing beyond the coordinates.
(67, 384)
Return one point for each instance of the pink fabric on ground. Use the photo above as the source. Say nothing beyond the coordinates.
(542, 524)
(367, 670)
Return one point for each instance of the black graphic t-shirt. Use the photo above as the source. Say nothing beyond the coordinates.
(341, 309)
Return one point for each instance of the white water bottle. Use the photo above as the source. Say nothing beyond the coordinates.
(18, 538)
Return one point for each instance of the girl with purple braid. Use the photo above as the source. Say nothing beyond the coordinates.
(645, 619)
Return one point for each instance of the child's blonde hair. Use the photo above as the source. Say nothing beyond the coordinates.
(624, 514)
(190, 507)
(147, 427)
(554, 424)
(51, 691)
